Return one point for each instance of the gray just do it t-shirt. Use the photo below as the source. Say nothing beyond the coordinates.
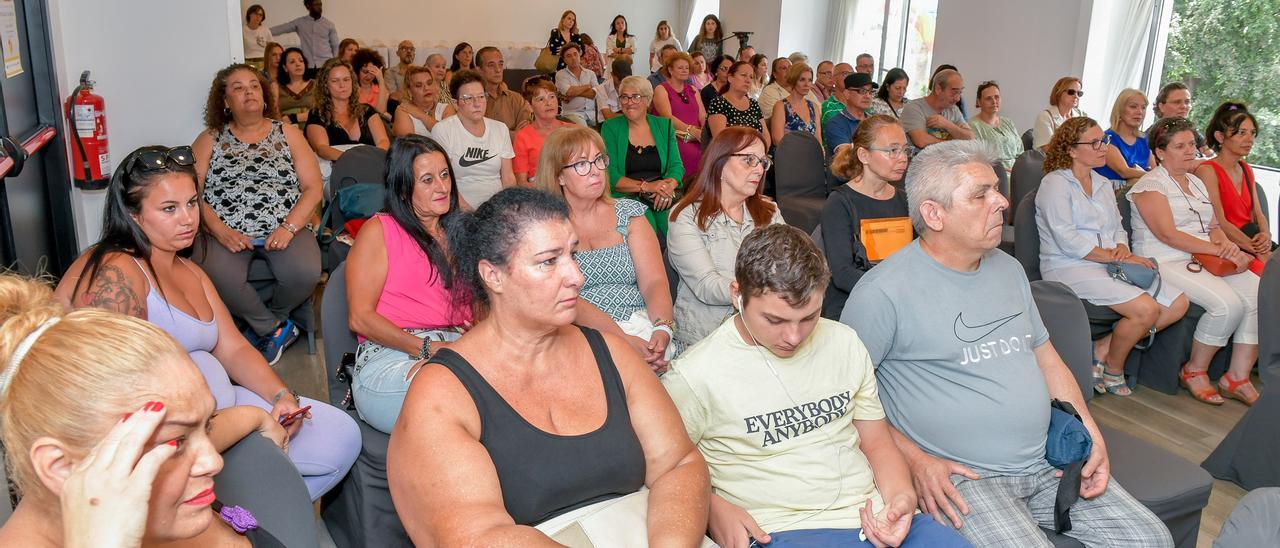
(955, 357)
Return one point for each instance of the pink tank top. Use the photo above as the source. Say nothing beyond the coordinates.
(414, 296)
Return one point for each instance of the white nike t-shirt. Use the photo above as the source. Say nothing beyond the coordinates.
(477, 161)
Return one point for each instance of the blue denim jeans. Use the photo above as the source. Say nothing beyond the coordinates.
(925, 532)
(382, 377)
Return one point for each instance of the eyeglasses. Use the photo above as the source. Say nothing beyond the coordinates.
(157, 158)
(1096, 144)
(752, 160)
(1075, 93)
(895, 152)
(863, 91)
(631, 98)
(583, 167)
(468, 99)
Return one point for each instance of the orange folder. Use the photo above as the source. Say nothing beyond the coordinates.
(883, 237)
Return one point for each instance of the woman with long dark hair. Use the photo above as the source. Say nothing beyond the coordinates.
(622, 44)
(292, 89)
(710, 36)
(404, 302)
(464, 58)
(892, 95)
(339, 118)
(152, 216)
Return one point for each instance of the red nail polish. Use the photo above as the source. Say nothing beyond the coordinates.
(172, 443)
(126, 417)
(157, 406)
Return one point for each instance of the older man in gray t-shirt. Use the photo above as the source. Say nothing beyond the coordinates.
(966, 370)
(935, 118)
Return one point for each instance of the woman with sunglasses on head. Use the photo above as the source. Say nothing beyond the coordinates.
(1229, 180)
(876, 156)
(152, 216)
(724, 203)
(1173, 218)
(259, 185)
(618, 249)
(1064, 104)
(1081, 233)
(644, 155)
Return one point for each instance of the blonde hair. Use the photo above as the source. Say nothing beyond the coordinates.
(657, 31)
(845, 164)
(1060, 87)
(1117, 108)
(78, 377)
(795, 72)
(638, 84)
(558, 148)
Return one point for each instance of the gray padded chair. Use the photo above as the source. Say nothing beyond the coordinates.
(257, 476)
(1174, 490)
(1028, 139)
(359, 511)
(801, 179)
(1007, 235)
(6, 508)
(1027, 172)
(362, 164)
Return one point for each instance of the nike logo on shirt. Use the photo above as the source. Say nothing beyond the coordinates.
(974, 333)
(474, 156)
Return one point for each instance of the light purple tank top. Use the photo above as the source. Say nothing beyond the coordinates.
(191, 333)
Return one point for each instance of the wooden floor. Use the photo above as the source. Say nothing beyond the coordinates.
(1187, 428)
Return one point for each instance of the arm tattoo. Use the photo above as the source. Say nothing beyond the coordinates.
(111, 291)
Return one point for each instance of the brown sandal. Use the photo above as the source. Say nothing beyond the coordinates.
(1231, 388)
(1207, 395)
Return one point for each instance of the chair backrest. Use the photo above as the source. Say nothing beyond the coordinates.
(361, 164)
(1026, 236)
(1262, 202)
(6, 509)
(816, 236)
(338, 338)
(1002, 184)
(1068, 326)
(1027, 173)
(798, 166)
(1269, 322)
(1028, 139)
(1126, 215)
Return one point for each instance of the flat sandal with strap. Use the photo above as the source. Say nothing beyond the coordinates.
(1230, 388)
(1207, 395)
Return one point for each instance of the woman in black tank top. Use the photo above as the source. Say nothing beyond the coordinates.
(528, 416)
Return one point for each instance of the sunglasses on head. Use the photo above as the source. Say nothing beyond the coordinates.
(158, 158)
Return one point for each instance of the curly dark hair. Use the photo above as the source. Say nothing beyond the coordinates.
(216, 114)
(365, 56)
(1056, 154)
(324, 109)
(462, 78)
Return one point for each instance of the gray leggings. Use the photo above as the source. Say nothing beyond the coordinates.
(296, 270)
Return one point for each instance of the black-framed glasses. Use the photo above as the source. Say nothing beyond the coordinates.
(630, 98)
(583, 167)
(1096, 144)
(1075, 93)
(157, 158)
(752, 160)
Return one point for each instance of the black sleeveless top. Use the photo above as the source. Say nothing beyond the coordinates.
(544, 475)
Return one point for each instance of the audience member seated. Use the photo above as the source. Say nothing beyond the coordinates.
(935, 118)
(479, 148)
(622, 44)
(662, 38)
(1081, 234)
(778, 88)
(618, 252)
(405, 302)
(745, 53)
(718, 69)
(834, 103)
(892, 97)
(824, 84)
(541, 94)
(998, 132)
(373, 92)
(528, 417)
(964, 112)
(393, 77)
(420, 112)
(591, 58)
(566, 32)
(796, 111)
(502, 104)
(775, 483)
(271, 63)
(259, 184)
(464, 58)
(677, 100)
(291, 88)
(440, 73)
(709, 42)
(980, 356)
(733, 107)
(854, 96)
(1128, 156)
(578, 86)
(1064, 101)
(698, 75)
(1173, 222)
(1174, 101)
(125, 466)
(866, 64)
(256, 36)
(760, 74)
(607, 93)
(644, 157)
(1233, 189)
(347, 50)
(339, 119)
(664, 55)
(152, 215)
(876, 157)
(724, 203)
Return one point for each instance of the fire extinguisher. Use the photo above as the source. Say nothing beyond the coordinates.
(87, 122)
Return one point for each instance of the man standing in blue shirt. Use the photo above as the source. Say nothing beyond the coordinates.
(318, 36)
(856, 98)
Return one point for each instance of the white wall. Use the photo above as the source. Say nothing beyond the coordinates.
(478, 22)
(1025, 45)
(804, 29)
(152, 62)
(759, 16)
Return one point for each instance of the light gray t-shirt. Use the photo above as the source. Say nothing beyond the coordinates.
(917, 111)
(955, 356)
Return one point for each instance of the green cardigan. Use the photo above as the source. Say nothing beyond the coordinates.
(616, 132)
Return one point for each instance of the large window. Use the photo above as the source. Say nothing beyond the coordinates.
(1226, 50)
(899, 33)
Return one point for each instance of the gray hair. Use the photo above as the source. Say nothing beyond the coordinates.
(798, 57)
(932, 174)
(432, 56)
(637, 84)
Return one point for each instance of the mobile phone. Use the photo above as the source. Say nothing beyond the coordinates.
(259, 242)
(286, 420)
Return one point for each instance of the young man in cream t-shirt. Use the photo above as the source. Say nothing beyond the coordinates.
(783, 406)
